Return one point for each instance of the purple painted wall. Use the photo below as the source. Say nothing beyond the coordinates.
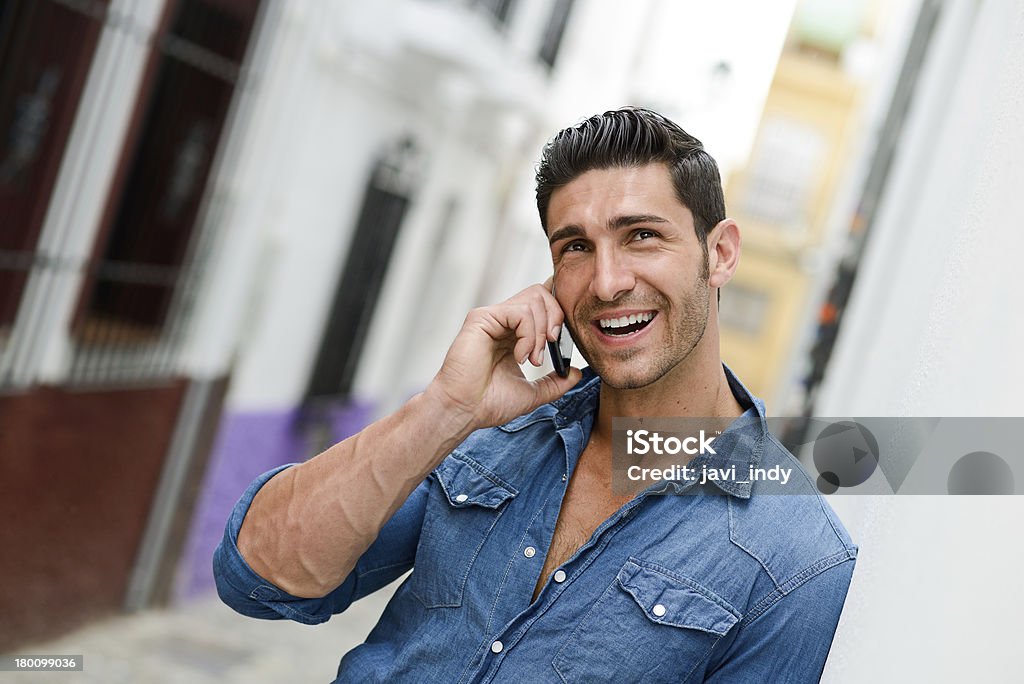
(247, 445)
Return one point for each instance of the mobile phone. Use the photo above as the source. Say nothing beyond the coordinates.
(561, 351)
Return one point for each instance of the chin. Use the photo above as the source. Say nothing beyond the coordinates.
(619, 375)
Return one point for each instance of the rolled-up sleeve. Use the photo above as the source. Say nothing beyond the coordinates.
(392, 554)
(788, 641)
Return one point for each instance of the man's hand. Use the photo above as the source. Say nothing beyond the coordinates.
(481, 379)
(309, 524)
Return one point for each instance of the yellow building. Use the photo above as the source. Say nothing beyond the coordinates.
(782, 200)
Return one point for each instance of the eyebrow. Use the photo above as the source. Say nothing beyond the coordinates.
(618, 222)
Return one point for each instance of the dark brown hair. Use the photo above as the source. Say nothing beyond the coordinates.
(633, 136)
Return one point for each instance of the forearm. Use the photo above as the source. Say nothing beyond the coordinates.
(308, 526)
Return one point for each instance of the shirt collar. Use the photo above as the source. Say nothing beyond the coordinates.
(741, 444)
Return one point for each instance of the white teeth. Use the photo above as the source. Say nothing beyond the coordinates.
(625, 320)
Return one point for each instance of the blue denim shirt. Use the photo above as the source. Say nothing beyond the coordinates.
(740, 587)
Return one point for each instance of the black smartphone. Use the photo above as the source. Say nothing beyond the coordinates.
(561, 351)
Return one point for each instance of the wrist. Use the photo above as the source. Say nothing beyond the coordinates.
(448, 416)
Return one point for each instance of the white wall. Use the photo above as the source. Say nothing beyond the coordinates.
(934, 329)
(662, 54)
(341, 81)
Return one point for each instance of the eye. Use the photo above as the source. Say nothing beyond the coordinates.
(642, 234)
(574, 246)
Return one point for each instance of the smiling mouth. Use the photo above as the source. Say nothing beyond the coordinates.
(626, 325)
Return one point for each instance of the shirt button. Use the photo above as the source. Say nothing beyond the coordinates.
(559, 576)
(658, 610)
(461, 497)
(529, 552)
(497, 647)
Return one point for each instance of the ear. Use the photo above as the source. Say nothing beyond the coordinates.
(723, 252)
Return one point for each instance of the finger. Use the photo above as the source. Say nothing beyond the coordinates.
(539, 313)
(547, 317)
(554, 316)
(519, 318)
(551, 386)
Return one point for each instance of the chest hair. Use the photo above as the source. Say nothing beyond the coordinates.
(588, 502)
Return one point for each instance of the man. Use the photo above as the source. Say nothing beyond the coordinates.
(497, 491)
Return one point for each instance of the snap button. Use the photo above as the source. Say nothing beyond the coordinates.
(497, 647)
(461, 497)
(559, 576)
(659, 610)
(529, 552)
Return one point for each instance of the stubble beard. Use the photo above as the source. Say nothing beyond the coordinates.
(688, 332)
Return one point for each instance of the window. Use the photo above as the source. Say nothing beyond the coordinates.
(45, 51)
(387, 198)
(135, 297)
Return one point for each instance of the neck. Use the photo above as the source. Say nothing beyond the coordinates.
(696, 388)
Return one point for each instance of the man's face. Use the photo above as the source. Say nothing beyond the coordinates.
(629, 272)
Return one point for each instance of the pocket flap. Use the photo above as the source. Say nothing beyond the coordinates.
(677, 601)
(467, 483)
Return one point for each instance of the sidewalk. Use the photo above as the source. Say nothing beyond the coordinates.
(206, 642)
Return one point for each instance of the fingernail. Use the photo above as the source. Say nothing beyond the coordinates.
(556, 331)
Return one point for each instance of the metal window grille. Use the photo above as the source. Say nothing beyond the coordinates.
(385, 203)
(138, 286)
(45, 49)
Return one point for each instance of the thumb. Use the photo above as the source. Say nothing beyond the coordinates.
(551, 386)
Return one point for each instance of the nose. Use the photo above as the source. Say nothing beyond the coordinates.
(612, 278)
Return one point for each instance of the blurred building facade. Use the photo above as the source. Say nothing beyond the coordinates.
(114, 117)
(930, 328)
(185, 178)
(795, 197)
(236, 230)
(400, 126)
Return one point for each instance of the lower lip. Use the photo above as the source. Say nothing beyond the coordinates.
(623, 340)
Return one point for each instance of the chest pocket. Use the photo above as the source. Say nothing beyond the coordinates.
(465, 503)
(650, 622)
